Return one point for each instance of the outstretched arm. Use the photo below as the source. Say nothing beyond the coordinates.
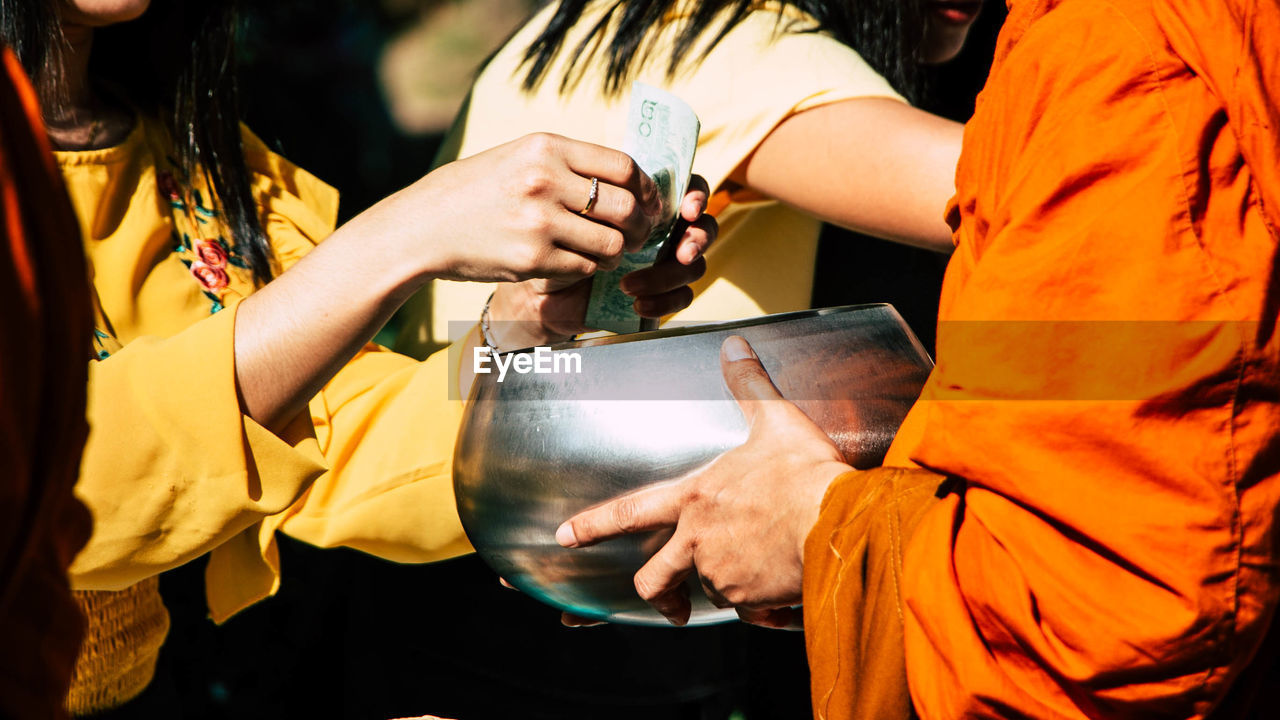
(874, 165)
(508, 214)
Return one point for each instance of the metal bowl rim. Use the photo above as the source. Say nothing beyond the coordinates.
(699, 328)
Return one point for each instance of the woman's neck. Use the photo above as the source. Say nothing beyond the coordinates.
(76, 116)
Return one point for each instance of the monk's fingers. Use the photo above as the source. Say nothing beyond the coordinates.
(695, 198)
(785, 618)
(648, 509)
(674, 605)
(570, 620)
(663, 277)
(566, 618)
(661, 581)
(745, 377)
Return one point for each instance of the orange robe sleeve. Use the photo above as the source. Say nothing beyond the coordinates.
(45, 328)
(852, 598)
(1105, 398)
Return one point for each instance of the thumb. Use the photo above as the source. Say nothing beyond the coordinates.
(745, 376)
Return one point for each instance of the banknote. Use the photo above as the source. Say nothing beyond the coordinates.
(662, 134)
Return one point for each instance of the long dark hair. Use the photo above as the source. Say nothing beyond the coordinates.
(177, 62)
(886, 33)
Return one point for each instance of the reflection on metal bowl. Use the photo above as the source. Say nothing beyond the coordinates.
(538, 447)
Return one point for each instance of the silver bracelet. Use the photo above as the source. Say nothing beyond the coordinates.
(485, 333)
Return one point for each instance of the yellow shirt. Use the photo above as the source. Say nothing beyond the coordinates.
(760, 74)
(173, 469)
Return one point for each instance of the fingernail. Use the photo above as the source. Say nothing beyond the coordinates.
(735, 349)
(678, 621)
(565, 536)
(696, 250)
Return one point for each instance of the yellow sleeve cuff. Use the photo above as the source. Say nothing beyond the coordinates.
(172, 468)
(387, 426)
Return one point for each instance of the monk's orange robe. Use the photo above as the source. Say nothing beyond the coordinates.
(46, 328)
(1106, 403)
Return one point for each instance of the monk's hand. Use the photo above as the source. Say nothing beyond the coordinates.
(741, 522)
(544, 310)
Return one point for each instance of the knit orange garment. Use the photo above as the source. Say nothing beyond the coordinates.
(1107, 393)
(46, 330)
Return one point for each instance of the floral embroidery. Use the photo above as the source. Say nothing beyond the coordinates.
(104, 340)
(100, 344)
(209, 268)
(212, 279)
(207, 259)
(211, 253)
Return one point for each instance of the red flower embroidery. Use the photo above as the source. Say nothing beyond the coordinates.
(211, 253)
(168, 186)
(209, 277)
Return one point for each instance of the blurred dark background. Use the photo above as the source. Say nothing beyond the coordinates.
(359, 93)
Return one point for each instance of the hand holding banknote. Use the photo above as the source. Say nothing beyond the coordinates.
(661, 136)
(652, 291)
(651, 281)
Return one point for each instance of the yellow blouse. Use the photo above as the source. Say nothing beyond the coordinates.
(173, 469)
(760, 73)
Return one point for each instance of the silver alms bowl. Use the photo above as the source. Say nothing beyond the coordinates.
(538, 447)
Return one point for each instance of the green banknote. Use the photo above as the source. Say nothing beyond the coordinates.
(662, 134)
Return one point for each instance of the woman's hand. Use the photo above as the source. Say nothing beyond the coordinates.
(513, 213)
(542, 311)
(742, 520)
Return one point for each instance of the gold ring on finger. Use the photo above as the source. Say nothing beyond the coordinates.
(591, 197)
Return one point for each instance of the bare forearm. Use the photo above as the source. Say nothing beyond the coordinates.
(295, 333)
(874, 165)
